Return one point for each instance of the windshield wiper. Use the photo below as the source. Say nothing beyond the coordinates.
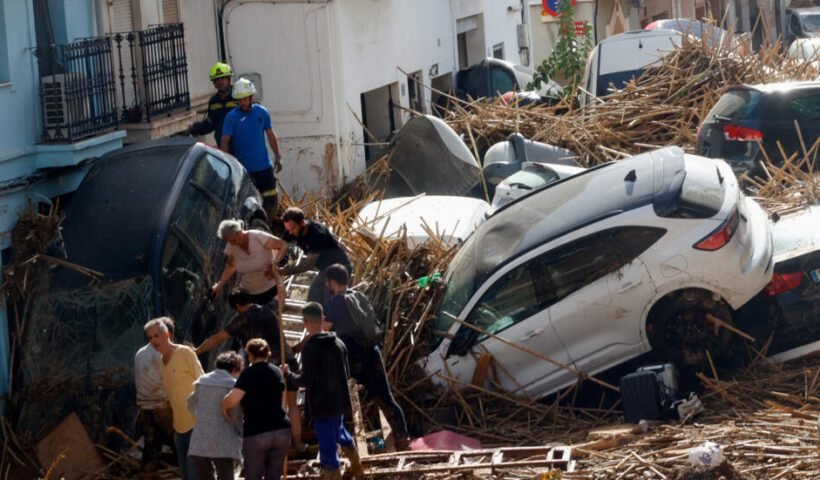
(721, 118)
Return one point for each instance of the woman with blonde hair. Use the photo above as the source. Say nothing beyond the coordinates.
(266, 427)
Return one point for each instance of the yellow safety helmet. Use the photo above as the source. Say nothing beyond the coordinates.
(243, 88)
(220, 70)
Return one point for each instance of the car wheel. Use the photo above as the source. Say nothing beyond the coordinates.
(687, 326)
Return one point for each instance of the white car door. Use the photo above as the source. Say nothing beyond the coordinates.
(599, 322)
(513, 305)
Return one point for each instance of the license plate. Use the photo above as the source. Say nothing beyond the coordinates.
(815, 275)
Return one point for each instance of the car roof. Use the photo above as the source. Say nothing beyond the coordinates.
(804, 10)
(577, 201)
(635, 34)
(768, 88)
(110, 222)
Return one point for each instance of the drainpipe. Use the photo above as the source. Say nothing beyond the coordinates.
(595, 23)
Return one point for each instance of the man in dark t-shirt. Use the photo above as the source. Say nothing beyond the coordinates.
(321, 247)
(256, 321)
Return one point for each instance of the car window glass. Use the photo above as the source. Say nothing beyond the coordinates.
(197, 212)
(511, 299)
(811, 23)
(181, 277)
(806, 107)
(581, 262)
(610, 82)
(735, 105)
(502, 81)
(633, 241)
(212, 173)
(795, 24)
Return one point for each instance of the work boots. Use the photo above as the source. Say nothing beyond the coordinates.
(352, 454)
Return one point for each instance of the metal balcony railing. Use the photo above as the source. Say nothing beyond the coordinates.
(76, 90)
(87, 87)
(152, 69)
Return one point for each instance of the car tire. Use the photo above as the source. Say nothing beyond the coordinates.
(681, 331)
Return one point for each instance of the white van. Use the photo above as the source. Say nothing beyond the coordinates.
(620, 58)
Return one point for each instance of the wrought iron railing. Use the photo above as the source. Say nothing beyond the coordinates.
(87, 86)
(152, 69)
(77, 90)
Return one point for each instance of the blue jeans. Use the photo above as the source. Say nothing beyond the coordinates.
(182, 441)
(331, 433)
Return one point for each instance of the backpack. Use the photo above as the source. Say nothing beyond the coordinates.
(367, 331)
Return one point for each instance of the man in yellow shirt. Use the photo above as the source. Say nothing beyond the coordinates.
(180, 369)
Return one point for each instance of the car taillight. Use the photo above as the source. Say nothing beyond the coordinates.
(741, 134)
(783, 282)
(721, 236)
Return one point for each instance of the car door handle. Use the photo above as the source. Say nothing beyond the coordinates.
(629, 286)
(531, 333)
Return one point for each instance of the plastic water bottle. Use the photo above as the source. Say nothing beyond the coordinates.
(377, 442)
(708, 454)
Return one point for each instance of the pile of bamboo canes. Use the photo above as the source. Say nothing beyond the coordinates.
(664, 106)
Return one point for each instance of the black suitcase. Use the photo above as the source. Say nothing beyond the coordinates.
(641, 397)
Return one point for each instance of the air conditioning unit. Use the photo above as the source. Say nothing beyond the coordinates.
(65, 101)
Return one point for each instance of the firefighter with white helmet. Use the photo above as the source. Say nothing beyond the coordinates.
(219, 105)
(243, 135)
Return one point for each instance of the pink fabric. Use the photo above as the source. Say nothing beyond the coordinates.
(445, 440)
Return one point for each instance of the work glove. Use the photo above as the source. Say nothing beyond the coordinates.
(277, 164)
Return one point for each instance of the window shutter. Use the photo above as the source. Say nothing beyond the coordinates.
(122, 16)
(170, 11)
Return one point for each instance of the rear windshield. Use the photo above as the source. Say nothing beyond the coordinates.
(615, 81)
(735, 105)
(701, 195)
(811, 22)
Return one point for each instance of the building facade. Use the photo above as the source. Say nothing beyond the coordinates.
(340, 76)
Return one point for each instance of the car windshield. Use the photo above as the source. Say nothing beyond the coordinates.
(461, 283)
(735, 105)
(615, 81)
(811, 22)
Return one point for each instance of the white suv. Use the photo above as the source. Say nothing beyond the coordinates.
(596, 269)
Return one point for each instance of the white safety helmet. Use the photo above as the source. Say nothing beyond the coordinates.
(243, 88)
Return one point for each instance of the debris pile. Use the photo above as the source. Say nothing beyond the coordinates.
(664, 106)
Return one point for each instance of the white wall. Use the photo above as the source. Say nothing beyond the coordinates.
(315, 61)
(544, 29)
(201, 44)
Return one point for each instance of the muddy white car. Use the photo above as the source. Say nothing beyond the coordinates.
(652, 252)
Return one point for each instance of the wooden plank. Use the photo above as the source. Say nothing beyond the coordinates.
(358, 420)
(69, 450)
(387, 433)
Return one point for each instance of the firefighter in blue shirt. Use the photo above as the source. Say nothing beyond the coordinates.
(219, 105)
(243, 134)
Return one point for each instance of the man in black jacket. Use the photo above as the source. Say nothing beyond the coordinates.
(324, 376)
(219, 105)
(322, 249)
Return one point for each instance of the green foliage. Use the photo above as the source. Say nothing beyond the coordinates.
(568, 58)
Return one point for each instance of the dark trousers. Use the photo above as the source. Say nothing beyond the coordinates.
(157, 430)
(265, 454)
(369, 372)
(205, 468)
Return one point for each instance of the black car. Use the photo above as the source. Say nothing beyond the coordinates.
(791, 301)
(145, 217)
(749, 116)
